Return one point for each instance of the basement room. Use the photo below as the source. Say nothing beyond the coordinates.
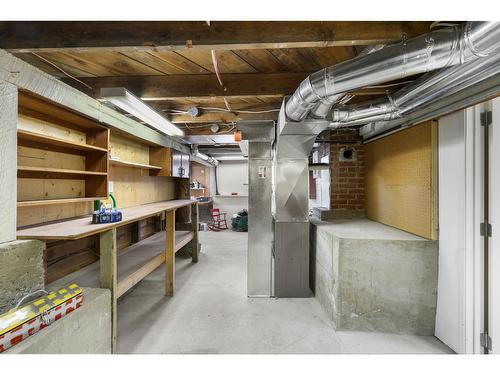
(249, 184)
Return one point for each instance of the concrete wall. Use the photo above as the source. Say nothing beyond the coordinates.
(21, 271)
(232, 177)
(87, 330)
(368, 276)
(8, 161)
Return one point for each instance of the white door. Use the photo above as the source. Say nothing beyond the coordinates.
(450, 314)
(460, 157)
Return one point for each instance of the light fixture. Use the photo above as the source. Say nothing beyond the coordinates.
(202, 156)
(123, 99)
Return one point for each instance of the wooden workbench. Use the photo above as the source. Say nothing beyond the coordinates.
(162, 252)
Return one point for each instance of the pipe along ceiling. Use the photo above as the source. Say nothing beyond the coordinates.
(455, 59)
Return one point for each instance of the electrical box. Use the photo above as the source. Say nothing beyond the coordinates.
(180, 164)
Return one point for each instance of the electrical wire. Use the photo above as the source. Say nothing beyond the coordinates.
(215, 109)
(227, 104)
(62, 70)
(215, 63)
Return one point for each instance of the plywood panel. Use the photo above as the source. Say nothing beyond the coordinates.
(400, 180)
(40, 214)
(134, 186)
(46, 128)
(38, 189)
(125, 149)
(201, 174)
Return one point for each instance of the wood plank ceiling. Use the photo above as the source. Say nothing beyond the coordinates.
(170, 64)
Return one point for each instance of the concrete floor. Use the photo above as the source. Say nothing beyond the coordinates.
(210, 313)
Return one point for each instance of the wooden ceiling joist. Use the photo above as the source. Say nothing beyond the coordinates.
(222, 117)
(124, 36)
(204, 85)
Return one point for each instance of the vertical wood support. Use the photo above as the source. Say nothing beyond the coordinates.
(8, 161)
(170, 253)
(194, 228)
(107, 249)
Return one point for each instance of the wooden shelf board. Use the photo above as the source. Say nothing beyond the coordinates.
(44, 202)
(82, 227)
(133, 165)
(43, 172)
(45, 142)
(134, 263)
(182, 238)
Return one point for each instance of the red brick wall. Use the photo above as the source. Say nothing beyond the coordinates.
(347, 187)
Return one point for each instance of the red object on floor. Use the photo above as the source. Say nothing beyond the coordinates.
(217, 221)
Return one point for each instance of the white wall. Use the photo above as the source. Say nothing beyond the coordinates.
(232, 177)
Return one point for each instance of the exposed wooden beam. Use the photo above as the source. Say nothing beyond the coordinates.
(22, 36)
(224, 117)
(204, 85)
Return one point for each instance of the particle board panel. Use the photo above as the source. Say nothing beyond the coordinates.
(400, 180)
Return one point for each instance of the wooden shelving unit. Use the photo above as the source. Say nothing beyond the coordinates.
(46, 202)
(162, 158)
(54, 129)
(36, 140)
(133, 165)
(133, 263)
(42, 172)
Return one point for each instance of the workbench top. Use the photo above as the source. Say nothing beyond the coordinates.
(83, 227)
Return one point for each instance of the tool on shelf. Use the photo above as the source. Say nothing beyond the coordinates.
(105, 215)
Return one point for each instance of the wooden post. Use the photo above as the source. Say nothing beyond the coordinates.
(107, 249)
(170, 253)
(8, 161)
(194, 228)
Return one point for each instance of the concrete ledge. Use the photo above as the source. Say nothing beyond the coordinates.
(372, 277)
(87, 330)
(322, 213)
(21, 270)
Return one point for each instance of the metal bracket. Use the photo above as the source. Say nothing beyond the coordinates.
(485, 341)
(486, 118)
(485, 229)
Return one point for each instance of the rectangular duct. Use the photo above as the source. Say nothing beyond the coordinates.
(259, 138)
(291, 205)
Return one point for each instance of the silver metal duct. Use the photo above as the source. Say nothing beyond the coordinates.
(424, 90)
(259, 136)
(324, 105)
(435, 50)
(479, 92)
(291, 204)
